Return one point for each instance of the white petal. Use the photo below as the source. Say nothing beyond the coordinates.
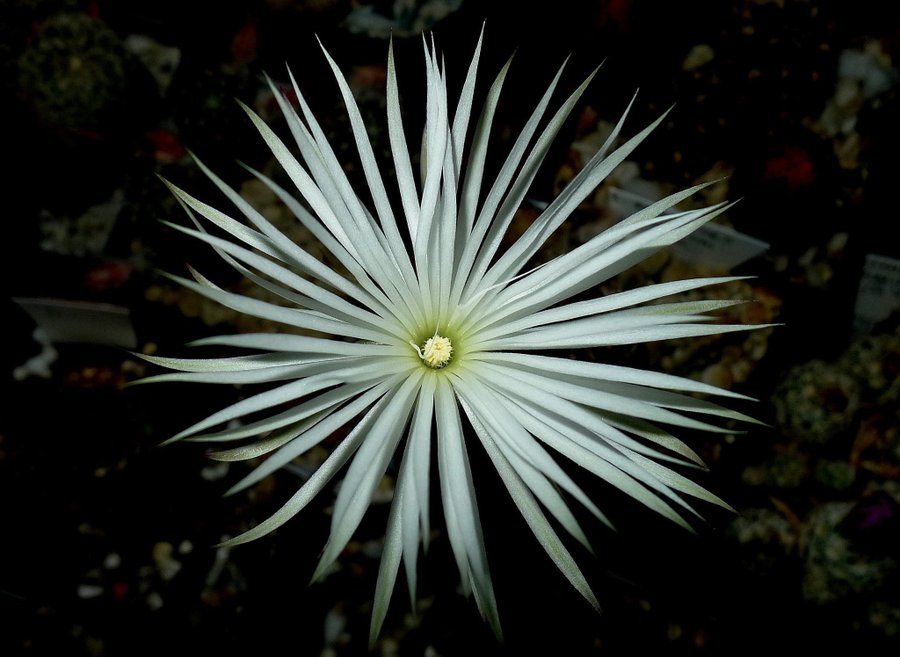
(317, 434)
(304, 319)
(334, 247)
(368, 467)
(314, 484)
(504, 378)
(504, 178)
(372, 173)
(536, 467)
(325, 301)
(300, 344)
(271, 442)
(460, 507)
(355, 373)
(471, 190)
(605, 372)
(322, 403)
(532, 512)
(464, 108)
(604, 304)
(520, 187)
(571, 440)
(400, 150)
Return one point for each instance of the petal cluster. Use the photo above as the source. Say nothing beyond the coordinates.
(431, 338)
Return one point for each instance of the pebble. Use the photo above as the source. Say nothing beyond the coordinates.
(215, 471)
(154, 600)
(165, 564)
(89, 591)
(112, 561)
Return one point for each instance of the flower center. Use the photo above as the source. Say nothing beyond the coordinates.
(436, 352)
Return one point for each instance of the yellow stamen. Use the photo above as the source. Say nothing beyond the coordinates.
(436, 352)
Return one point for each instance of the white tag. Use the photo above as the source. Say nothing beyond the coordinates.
(623, 203)
(719, 247)
(712, 245)
(79, 321)
(879, 292)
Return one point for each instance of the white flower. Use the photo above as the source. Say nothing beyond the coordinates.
(434, 326)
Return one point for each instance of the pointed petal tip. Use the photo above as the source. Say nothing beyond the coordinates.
(317, 574)
(234, 541)
(169, 441)
(237, 488)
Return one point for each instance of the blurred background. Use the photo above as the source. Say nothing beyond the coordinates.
(106, 545)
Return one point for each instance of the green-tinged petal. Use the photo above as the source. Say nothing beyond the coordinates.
(604, 372)
(590, 264)
(372, 173)
(519, 188)
(367, 371)
(532, 513)
(271, 442)
(536, 467)
(503, 180)
(296, 317)
(390, 561)
(657, 436)
(678, 482)
(416, 465)
(329, 399)
(317, 434)
(325, 301)
(602, 427)
(652, 395)
(606, 460)
(315, 483)
(460, 506)
(367, 469)
(233, 364)
(604, 304)
(399, 149)
(604, 401)
(464, 108)
(471, 189)
(299, 344)
(636, 333)
(256, 375)
(333, 246)
(403, 528)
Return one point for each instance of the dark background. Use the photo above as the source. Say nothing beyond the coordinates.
(105, 545)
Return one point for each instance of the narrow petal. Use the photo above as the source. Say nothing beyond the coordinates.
(298, 318)
(356, 373)
(530, 510)
(460, 507)
(605, 372)
(300, 344)
(536, 467)
(403, 528)
(315, 483)
(317, 434)
(367, 469)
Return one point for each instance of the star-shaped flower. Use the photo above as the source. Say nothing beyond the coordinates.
(431, 326)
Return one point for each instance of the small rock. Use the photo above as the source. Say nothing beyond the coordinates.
(89, 591)
(698, 56)
(112, 561)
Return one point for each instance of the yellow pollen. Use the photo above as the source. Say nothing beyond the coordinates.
(436, 352)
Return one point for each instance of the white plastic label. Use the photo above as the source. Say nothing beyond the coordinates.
(712, 245)
(718, 247)
(879, 292)
(79, 321)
